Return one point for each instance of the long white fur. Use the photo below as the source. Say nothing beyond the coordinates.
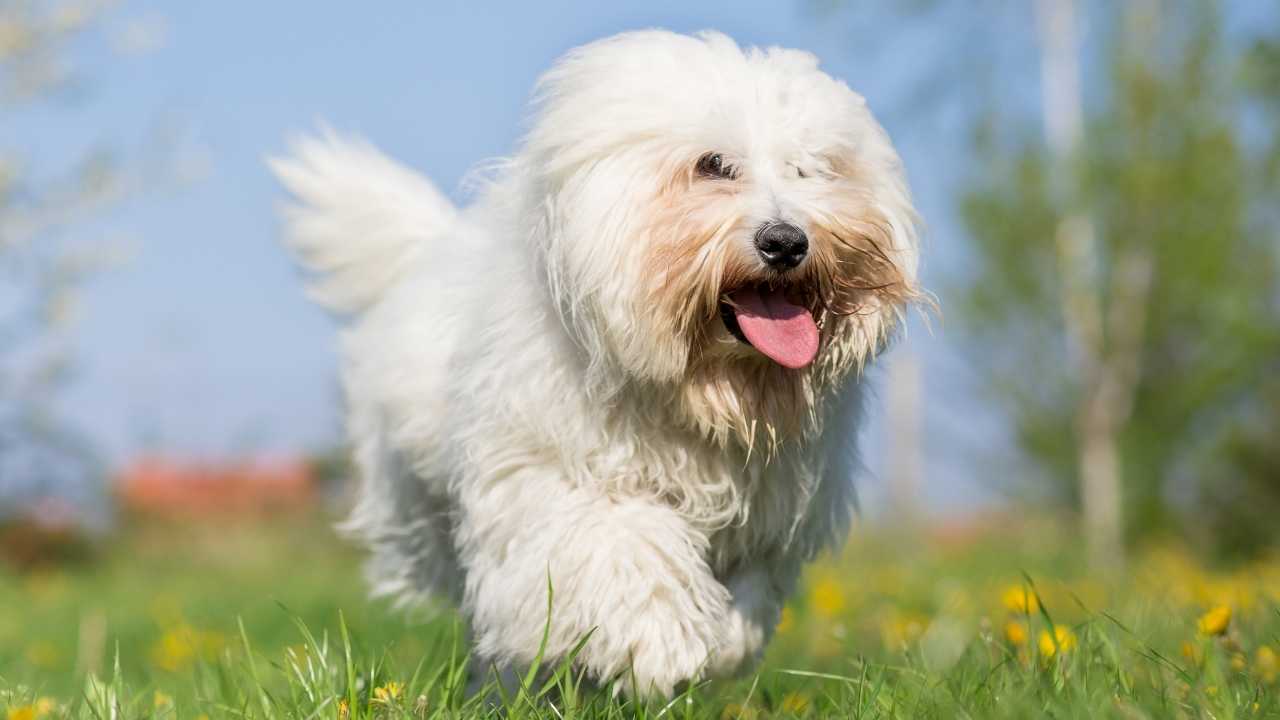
(517, 408)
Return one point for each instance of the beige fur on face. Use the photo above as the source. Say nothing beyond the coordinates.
(700, 248)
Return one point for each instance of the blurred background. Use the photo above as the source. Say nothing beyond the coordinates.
(1100, 183)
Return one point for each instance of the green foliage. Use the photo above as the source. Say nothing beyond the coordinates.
(1167, 173)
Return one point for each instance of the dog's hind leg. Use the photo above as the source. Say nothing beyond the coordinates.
(408, 527)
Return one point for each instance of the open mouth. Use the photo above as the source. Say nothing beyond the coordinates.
(771, 320)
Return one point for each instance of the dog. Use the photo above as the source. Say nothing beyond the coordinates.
(616, 397)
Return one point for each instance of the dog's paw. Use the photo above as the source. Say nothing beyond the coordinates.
(654, 647)
(666, 653)
(657, 609)
(629, 576)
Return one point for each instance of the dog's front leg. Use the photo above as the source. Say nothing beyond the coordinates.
(630, 571)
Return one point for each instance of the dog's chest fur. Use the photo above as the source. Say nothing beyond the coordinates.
(748, 503)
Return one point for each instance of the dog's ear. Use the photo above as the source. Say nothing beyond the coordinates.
(904, 225)
(890, 223)
(590, 236)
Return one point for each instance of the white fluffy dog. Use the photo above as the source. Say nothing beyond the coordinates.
(630, 369)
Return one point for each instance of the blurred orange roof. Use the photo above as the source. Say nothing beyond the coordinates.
(159, 486)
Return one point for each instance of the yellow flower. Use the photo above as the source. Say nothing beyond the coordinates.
(1267, 664)
(786, 621)
(1192, 652)
(1238, 662)
(1020, 600)
(162, 700)
(1062, 639)
(1015, 632)
(794, 703)
(734, 711)
(1236, 591)
(344, 709)
(173, 651)
(388, 694)
(898, 629)
(180, 646)
(40, 708)
(1216, 621)
(827, 598)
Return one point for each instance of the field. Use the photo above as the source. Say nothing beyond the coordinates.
(272, 621)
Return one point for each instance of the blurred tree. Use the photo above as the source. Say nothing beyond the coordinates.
(1104, 349)
(1239, 479)
(1125, 296)
(40, 266)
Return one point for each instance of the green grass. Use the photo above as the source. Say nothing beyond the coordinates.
(272, 621)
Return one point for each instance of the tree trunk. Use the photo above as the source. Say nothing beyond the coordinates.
(905, 447)
(1099, 459)
(1105, 386)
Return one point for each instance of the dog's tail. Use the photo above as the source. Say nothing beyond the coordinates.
(360, 219)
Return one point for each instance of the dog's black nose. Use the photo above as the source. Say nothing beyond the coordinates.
(781, 245)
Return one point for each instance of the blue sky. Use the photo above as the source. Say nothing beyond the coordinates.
(202, 343)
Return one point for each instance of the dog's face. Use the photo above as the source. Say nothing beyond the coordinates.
(731, 227)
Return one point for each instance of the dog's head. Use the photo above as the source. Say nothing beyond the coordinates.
(728, 229)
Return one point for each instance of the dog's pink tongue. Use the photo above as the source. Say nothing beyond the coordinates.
(776, 326)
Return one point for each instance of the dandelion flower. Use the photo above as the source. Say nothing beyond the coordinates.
(1062, 640)
(828, 598)
(40, 708)
(162, 700)
(734, 711)
(173, 651)
(898, 630)
(179, 647)
(1017, 598)
(1192, 652)
(786, 621)
(1215, 622)
(388, 694)
(1267, 664)
(1015, 632)
(794, 703)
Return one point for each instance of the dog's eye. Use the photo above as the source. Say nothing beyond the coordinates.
(712, 165)
(800, 173)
